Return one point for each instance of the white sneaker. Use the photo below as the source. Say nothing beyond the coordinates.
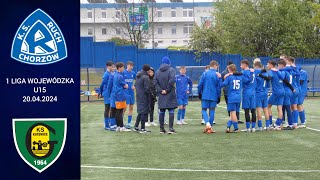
(245, 130)
(184, 123)
(277, 128)
(260, 129)
(123, 129)
(253, 129)
(153, 124)
(147, 124)
(284, 124)
(179, 123)
(118, 129)
(202, 122)
(302, 125)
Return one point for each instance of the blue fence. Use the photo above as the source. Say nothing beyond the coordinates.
(95, 54)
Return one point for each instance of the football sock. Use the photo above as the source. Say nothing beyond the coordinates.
(260, 123)
(211, 116)
(295, 116)
(270, 120)
(235, 125)
(106, 123)
(129, 119)
(183, 113)
(267, 123)
(289, 114)
(278, 122)
(253, 125)
(248, 125)
(302, 117)
(179, 114)
(229, 124)
(205, 115)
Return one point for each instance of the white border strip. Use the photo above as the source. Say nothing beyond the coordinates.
(200, 170)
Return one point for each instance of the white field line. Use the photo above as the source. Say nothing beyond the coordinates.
(275, 119)
(83, 107)
(200, 170)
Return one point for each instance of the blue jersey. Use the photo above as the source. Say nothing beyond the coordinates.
(129, 77)
(296, 78)
(276, 82)
(261, 84)
(248, 82)
(183, 84)
(104, 83)
(304, 79)
(209, 85)
(234, 85)
(288, 77)
(118, 83)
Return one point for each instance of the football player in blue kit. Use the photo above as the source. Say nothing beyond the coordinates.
(184, 88)
(129, 76)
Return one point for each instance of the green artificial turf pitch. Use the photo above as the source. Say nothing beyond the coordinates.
(191, 154)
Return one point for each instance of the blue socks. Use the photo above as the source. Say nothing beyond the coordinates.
(253, 125)
(106, 123)
(183, 113)
(179, 114)
(270, 120)
(278, 122)
(302, 117)
(229, 124)
(211, 117)
(129, 119)
(289, 114)
(260, 123)
(112, 122)
(295, 116)
(248, 125)
(235, 125)
(267, 123)
(205, 116)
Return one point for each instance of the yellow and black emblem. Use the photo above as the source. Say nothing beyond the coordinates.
(38, 140)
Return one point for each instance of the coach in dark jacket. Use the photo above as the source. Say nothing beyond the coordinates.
(142, 86)
(165, 81)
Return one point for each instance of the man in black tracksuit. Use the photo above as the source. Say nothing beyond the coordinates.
(152, 97)
(142, 86)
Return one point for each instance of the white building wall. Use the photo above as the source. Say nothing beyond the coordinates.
(166, 21)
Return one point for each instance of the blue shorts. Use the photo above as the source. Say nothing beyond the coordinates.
(276, 99)
(130, 99)
(294, 98)
(208, 104)
(183, 102)
(262, 100)
(248, 102)
(112, 103)
(233, 107)
(301, 98)
(287, 98)
(106, 100)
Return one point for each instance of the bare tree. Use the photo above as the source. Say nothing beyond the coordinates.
(136, 35)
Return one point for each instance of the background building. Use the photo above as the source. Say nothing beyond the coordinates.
(170, 23)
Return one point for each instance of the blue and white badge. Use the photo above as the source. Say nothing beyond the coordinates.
(39, 40)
